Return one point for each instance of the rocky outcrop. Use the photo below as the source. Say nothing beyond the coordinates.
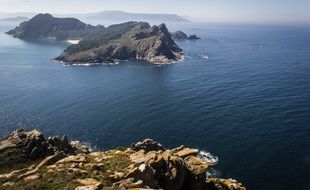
(146, 165)
(21, 146)
(147, 145)
(179, 35)
(193, 37)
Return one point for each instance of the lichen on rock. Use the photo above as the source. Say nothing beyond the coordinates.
(146, 165)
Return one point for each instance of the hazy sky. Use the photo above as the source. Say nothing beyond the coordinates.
(202, 10)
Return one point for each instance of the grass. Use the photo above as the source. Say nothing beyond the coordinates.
(14, 159)
(66, 178)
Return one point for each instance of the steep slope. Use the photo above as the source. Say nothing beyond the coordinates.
(140, 42)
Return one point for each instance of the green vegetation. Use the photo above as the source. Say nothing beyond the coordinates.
(96, 39)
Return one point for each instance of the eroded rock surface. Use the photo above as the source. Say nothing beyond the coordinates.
(22, 146)
(146, 165)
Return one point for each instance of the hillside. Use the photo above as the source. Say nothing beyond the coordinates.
(127, 41)
(45, 26)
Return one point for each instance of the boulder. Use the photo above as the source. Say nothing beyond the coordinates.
(158, 169)
(146, 174)
(80, 147)
(8, 185)
(31, 177)
(224, 184)
(185, 152)
(129, 183)
(89, 184)
(61, 144)
(73, 159)
(196, 165)
(148, 145)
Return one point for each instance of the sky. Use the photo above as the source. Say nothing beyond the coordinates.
(198, 10)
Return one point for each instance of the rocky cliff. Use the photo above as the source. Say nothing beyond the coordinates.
(30, 161)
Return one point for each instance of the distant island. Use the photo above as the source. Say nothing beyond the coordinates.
(99, 44)
(110, 16)
(121, 16)
(14, 19)
(29, 160)
(45, 26)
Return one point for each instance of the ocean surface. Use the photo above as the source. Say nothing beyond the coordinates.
(241, 93)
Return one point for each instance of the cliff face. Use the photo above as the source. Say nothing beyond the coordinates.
(139, 41)
(30, 161)
(45, 26)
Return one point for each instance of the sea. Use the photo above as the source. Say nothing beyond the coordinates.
(242, 93)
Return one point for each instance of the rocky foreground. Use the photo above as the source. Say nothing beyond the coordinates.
(30, 161)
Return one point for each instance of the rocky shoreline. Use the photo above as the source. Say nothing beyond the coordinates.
(28, 160)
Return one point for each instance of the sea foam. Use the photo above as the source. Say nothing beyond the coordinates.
(204, 56)
(208, 157)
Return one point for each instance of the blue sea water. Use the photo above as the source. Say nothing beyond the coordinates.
(241, 93)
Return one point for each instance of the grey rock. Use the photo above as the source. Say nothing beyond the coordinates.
(193, 37)
(148, 145)
(179, 35)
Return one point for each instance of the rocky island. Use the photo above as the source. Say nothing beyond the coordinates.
(45, 26)
(179, 35)
(14, 19)
(28, 160)
(97, 44)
